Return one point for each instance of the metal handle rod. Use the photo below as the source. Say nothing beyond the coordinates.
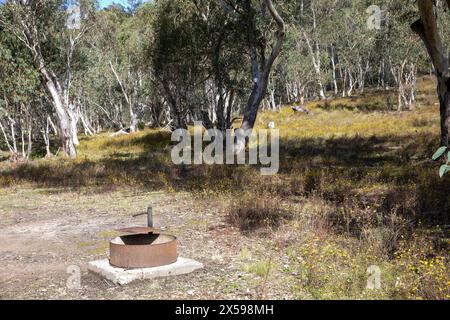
(149, 214)
(150, 217)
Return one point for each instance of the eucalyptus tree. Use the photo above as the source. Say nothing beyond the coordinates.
(398, 53)
(124, 41)
(42, 26)
(178, 57)
(297, 74)
(117, 86)
(20, 97)
(224, 45)
(264, 32)
(113, 52)
(261, 62)
(100, 90)
(427, 28)
(170, 62)
(314, 16)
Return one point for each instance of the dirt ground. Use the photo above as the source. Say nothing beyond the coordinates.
(43, 232)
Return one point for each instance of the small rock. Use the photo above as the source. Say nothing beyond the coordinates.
(191, 292)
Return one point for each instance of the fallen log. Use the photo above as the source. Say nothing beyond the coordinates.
(300, 109)
(121, 132)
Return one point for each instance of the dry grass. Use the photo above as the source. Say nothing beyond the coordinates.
(356, 187)
(252, 213)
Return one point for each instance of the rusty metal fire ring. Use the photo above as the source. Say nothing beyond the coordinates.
(143, 250)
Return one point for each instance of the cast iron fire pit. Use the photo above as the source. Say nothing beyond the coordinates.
(143, 247)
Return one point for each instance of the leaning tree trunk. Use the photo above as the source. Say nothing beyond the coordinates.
(444, 102)
(426, 27)
(261, 67)
(65, 128)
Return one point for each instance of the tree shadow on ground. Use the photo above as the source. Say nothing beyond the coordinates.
(391, 172)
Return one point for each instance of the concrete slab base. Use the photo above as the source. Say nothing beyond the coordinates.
(124, 276)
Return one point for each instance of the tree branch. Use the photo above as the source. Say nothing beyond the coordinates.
(280, 34)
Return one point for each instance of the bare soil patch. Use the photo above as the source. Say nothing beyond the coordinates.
(42, 232)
